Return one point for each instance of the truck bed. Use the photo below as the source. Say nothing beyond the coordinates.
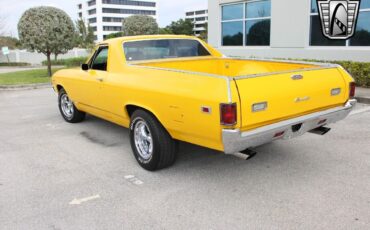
(228, 67)
(270, 82)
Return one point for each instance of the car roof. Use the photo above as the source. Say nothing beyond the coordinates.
(144, 37)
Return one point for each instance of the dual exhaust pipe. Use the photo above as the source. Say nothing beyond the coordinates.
(249, 153)
(320, 131)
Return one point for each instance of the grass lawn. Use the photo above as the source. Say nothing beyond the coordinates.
(25, 77)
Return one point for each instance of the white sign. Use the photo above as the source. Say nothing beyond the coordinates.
(5, 50)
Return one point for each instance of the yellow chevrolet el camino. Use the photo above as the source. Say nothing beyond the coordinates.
(167, 89)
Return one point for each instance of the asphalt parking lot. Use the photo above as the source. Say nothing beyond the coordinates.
(55, 175)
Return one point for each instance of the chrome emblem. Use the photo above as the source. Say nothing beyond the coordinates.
(301, 99)
(338, 17)
(297, 77)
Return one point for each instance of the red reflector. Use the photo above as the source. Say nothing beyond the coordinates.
(352, 89)
(279, 134)
(206, 110)
(228, 114)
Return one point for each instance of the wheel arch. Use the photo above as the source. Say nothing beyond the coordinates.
(59, 87)
(132, 107)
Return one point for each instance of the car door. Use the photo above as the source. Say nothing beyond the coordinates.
(95, 77)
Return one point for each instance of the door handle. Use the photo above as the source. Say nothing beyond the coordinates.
(100, 79)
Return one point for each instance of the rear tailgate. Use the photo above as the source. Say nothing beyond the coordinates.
(288, 95)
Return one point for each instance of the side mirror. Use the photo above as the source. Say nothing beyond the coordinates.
(85, 67)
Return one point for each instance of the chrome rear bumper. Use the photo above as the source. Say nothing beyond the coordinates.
(235, 141)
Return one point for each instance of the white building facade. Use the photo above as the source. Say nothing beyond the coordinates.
(106, 16)
(282, 29)
(200, 19)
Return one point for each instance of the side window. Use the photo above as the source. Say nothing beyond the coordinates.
(100, 60)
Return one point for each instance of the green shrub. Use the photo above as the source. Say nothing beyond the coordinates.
(69, 62)
(14, 64)
(360, 71)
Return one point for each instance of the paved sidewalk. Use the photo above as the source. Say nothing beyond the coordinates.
(9, 69)
(363, 95)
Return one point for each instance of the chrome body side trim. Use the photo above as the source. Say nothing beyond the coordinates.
(282, 72)
(179, 71)
(285, 61)
(235, 141)
(229, 90)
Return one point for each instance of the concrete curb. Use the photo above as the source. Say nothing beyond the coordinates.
(364, 100)
(25, 87)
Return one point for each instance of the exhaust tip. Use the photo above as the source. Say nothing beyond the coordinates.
(321, 130)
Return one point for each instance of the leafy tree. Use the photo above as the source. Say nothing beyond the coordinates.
(165, 30)
(10, 42)
(114, 35)
(204, 34)
(47, 30)
(183, 27)
(85, 35)
(139, 25)
(2, 25)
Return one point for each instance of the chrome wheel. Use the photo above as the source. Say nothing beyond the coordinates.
(143, 140)
(66, 106)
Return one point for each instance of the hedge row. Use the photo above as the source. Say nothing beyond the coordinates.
(69, 62)
(360, 71)
(14, 64)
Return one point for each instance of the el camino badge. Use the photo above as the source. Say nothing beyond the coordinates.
(301, 99)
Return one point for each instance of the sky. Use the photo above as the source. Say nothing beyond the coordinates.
(12, 10)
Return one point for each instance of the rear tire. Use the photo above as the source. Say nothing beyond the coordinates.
(68, 110)
(151, 144)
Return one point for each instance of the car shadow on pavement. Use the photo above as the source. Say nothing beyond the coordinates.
(190, 157)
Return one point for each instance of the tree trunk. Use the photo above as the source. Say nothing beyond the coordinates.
(49, 63)
(56, 57)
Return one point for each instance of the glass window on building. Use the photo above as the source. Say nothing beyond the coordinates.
(232, 33)
(232, 12)
(200, 12)
(92, 20)
(91, 12)
(258, 32)
(91, 3)
(362, 33)
(246, 24)
(257, 27)
(258, 9)
(365, 4)
(130, 3)
(314, 6)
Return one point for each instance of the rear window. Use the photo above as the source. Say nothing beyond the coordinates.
(164, 48)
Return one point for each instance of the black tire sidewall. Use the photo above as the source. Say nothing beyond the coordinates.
(61, 93)
(77, 116)
(152, 163)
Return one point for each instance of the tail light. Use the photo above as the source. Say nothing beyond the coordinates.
(352, 89)
(228, 114)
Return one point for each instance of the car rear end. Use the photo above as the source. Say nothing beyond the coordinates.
(285, 105)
